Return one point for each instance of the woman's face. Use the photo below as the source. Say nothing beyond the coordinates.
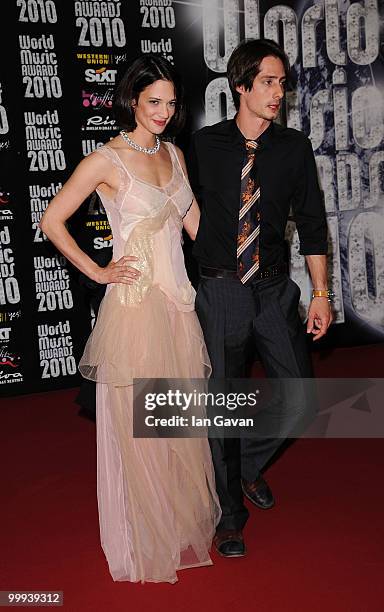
(155, 107)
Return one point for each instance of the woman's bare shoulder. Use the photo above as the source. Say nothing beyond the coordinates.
(179, 152)
(115, 143)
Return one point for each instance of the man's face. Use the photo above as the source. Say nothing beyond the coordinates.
(263, 100)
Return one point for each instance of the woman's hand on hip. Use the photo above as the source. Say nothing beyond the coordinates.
(119, 272)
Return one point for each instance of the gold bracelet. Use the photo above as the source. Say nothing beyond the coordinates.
(323, 293)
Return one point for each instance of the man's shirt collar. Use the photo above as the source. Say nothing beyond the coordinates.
(265, 139)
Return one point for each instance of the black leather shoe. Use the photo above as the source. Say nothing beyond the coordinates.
(259, 493)
(229, 543)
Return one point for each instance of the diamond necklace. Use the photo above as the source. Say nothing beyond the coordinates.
(137, 147)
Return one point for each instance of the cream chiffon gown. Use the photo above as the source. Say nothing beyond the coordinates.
(157, 502)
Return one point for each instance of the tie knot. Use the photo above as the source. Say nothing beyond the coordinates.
(251, 145)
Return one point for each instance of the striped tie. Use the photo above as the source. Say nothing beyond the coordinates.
(249, 219)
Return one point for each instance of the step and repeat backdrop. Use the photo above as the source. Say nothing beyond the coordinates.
(61, 61)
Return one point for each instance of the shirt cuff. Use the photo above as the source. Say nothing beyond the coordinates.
(314, 248)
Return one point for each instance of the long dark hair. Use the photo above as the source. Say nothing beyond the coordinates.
(144, 71)
(244, 63)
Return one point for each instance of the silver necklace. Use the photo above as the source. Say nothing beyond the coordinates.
(137, 147)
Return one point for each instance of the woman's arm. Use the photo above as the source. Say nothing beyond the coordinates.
(92, 172)
(192, 218)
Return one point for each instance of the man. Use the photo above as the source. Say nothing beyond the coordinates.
(247, 173)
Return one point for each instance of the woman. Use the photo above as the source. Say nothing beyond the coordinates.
(157, 503)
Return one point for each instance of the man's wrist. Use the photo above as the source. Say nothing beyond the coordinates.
(323, 293)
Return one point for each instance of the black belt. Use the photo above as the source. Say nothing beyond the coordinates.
(269, 272)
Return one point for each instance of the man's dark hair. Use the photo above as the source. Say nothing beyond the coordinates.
(245, 60)
(144, 71)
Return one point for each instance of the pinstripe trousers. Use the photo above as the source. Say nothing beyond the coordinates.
(236, 319)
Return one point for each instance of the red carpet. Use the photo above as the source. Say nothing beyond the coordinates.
(319, 549)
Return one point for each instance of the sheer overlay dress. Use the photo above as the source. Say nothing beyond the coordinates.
(157, 502)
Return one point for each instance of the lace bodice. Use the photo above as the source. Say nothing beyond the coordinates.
(146, 221)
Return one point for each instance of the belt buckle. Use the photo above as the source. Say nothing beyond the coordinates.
(270, 272)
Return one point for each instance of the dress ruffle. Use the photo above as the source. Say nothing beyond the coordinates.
(151, 340)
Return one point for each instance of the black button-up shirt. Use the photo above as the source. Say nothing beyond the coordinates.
(286, 172)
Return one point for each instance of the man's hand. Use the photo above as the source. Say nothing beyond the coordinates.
(319, 317)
